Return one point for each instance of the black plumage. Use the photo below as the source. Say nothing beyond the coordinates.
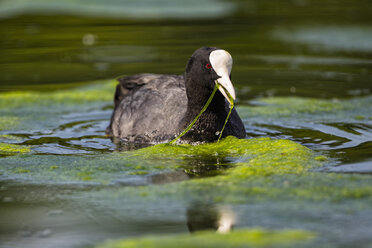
(151, 108)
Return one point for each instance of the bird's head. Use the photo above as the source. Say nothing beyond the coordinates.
(209, 66)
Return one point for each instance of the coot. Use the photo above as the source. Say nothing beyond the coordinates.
(152, 108)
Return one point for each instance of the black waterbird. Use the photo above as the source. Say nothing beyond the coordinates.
(152, 108)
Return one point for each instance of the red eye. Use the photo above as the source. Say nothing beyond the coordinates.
(208, 66)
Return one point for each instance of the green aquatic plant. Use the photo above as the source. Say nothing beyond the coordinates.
(262, 148)
(286, 106)
(7, 149)
(98, 91)
(238, 238)
(7, 137)
(259, 155)
(20, 170)
(8, 122)
(231, 100)
(259, 169)
(30, 110)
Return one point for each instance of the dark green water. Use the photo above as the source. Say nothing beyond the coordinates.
(302, 71)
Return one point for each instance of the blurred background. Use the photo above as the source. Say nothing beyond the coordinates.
(311, 48)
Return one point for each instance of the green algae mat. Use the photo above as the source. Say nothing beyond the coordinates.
(241, 238)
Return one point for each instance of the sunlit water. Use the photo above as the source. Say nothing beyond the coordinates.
(296, 58)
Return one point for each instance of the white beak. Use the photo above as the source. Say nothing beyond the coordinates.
(221, 62)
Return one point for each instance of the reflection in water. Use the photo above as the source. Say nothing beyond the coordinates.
(207, 216)
(121, 146)
(206, 166)
(189, 168)
(168, 177)
(352, 140)
(344, 38)
(362, 168)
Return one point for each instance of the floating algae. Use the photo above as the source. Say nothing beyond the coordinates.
(298, 104)
(98, 91)
(110, 167)
(7, 149)
(32, 110)
(8, 122)
(260, 169)
(238, 238)
(263, 148)
(6, 137)
(301, 108)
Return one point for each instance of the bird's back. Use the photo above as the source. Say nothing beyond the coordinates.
(148, 107)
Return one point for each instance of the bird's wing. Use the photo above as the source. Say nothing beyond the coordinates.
(131, 83)
(147, 103)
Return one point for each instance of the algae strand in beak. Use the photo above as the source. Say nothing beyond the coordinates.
(228, 115)
(202, 111)
(197, 117)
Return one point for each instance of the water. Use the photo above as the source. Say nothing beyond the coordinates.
(302, 71)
